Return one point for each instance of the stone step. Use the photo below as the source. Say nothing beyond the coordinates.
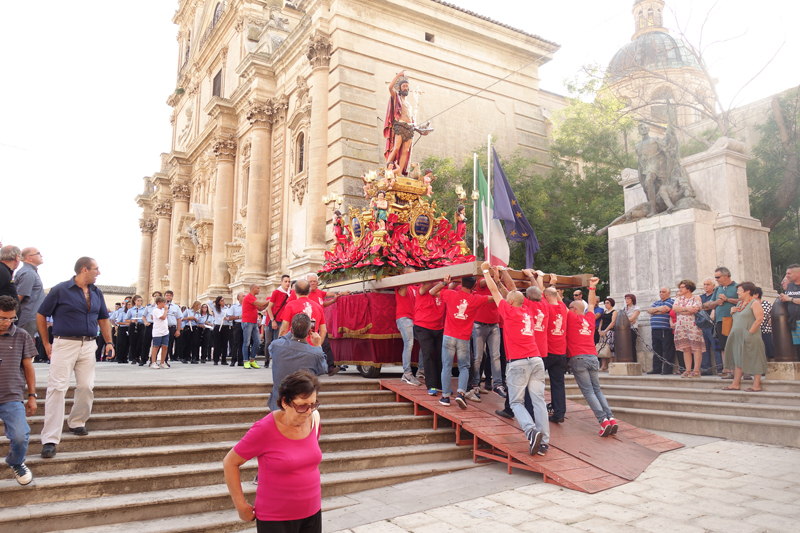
(148, 419)
(177, 436)
(166, 456)
(706, 395)
(340, 383)
(781, 412)
(154, 478)
(97, 512)
(230, 401)
(750, 429)
(705, 382)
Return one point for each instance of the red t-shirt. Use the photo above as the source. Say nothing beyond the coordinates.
(315, 295)
(460, 312)
(429, 311)
(518, 336)
(488, 313)
(249, 311)
(304, 305)
(288, 470)
(278, 298)
(557, 329)
(541, 318)
(580, 334)
(404, 305)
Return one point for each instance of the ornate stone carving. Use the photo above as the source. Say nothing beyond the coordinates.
(264, 114)
(181, 192)
(239, 230)
(276, 21)
(163, 208)
(302, 91)
(299, 189)
(224, 147)
(147, 225)
(319, 50)
(246, 149)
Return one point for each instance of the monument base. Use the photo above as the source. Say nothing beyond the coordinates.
(783, 371)
(625, 369)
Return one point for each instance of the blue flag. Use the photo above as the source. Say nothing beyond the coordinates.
(507, 209)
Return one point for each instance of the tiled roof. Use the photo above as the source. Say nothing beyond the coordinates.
(482, 17)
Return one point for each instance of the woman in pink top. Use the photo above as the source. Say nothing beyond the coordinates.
(286, 443)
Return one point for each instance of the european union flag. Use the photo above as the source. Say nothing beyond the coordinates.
(507, 209)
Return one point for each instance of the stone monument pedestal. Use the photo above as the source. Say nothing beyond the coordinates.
(625, 369)
(783, 371)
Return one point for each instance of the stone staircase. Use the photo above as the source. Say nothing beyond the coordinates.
(153, 458)
(700, 407)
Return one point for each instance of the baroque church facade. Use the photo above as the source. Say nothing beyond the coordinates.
(278, 104)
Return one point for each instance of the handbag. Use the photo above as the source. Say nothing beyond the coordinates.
(727, 324)
(703, 320)
(603, 350)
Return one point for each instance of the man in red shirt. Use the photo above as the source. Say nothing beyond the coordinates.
(525, 369)
(303, 304)
(486, 339)
(277, 301)
(251, 338)
(459, 317)
(583, 358)
(404, 316)
(556, 349)
(428, 330)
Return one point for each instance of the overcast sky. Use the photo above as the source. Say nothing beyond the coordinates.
(85, 87)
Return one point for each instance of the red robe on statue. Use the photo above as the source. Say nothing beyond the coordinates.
(393, 112)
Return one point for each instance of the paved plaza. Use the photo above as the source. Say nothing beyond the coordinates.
(709, 485)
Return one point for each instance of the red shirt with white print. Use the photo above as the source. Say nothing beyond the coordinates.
(460, 311)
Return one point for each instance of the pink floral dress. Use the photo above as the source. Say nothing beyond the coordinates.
(688, 337)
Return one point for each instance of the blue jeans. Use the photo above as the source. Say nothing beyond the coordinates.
(250, 334)
(406, 327)
(584, 368)
(486, 336)
(522, 374)
(452, 347)
(17, 430)
(708, 337)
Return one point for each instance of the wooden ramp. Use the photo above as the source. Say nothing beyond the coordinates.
(578, 458)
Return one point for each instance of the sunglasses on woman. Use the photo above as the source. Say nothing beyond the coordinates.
(302, 408)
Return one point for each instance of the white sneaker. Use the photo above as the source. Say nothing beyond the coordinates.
(22, 474)
(410, 379)
(154, 365)
(162, 365)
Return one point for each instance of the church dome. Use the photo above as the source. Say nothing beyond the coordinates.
(651, 51)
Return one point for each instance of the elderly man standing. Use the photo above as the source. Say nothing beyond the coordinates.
(250, 337)
(791, 296)
(300, 351)
(663, 338)
(9, 261)
(30, 290)
(722, 301)
(77, 307)
(711, 351)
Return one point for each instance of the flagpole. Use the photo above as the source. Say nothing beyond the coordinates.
(475, 205)
(490, 209)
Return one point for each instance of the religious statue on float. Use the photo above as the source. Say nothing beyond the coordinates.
(400, 126)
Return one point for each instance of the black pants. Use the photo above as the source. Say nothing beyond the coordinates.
(236, 341)
(184, 349)
(172, 349)
(101, 344)
(121, 345)
(135, 337)
(193, 339)
(326, 348)
(556, 365)
(430, 348)
(221, 334)
(147, 343)
(206, 338)
(312, 524)
(663, 345)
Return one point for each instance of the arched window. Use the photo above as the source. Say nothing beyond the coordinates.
(300, 150)
(650, 18)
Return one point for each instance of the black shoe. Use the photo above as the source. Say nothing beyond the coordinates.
(460, 401)
(535, 440)
(134, 362)
(216, 363)
(82, 431)
(543, 449)
(185, 362)
(706, 373)
(48, 451)
(203, 362)
(196, 362)
(141, 364)
(654, 373)
(556, 419)
(332, 371)
(224, 363)
(504, 414)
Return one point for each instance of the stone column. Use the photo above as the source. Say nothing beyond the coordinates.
(208, 273)
(224, 148)
(319, 54)
(200, 268)
(148, 226)
(163, 212)
(184, 298)
(180, 205)
(261, 116)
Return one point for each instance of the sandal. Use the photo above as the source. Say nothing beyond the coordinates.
(686, 374)
(726, 375)
(729, 388)
(751, 389)
(694, 374)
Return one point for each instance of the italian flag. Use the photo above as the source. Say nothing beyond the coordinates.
(499, 253)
